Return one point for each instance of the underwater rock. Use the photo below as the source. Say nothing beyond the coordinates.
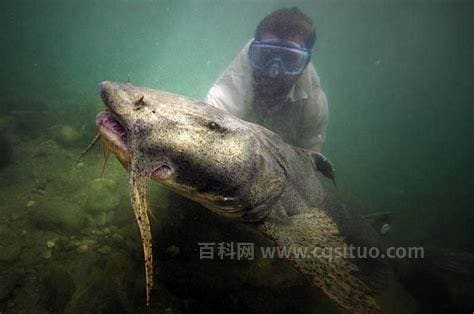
(9, 278)
(58, 288)
(47, 254)
(10, 247)
(5, 123)
(30, 204)
(272, 274)
(118, 263)
(88, 231)
(172, 251)
(65, 134)
(102, 195)
(42, 149)
(16, 215)
(5, 156)
(50, 244)
(28, 122)
(82, 248)
(56, 213)
(102, 219)
(117, 237)
(105, 250)
(102, 296)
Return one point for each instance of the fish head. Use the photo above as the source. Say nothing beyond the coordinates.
(193, 148)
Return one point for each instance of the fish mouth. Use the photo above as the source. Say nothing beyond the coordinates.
(115, 136)
(111, 128)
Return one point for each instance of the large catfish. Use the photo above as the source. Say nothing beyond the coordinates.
(245, 172)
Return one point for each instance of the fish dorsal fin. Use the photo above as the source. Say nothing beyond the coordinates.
(336, 275)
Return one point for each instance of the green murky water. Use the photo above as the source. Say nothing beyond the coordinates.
(398, 75)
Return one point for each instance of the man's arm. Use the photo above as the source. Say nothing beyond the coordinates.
(314, 122)
(219, 97)
(230, 90)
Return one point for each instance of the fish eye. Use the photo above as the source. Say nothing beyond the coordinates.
(213, 126)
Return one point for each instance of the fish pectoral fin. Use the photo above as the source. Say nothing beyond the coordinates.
(323, 165)
(315, 248)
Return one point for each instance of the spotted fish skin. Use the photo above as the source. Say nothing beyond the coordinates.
(242, 171)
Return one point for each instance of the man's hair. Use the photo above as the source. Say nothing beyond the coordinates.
(288, 22)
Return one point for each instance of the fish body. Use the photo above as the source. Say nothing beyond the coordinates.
(242, 171)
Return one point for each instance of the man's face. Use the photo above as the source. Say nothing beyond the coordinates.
(273, 82)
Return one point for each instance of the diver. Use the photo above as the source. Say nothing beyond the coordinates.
(272, 81)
